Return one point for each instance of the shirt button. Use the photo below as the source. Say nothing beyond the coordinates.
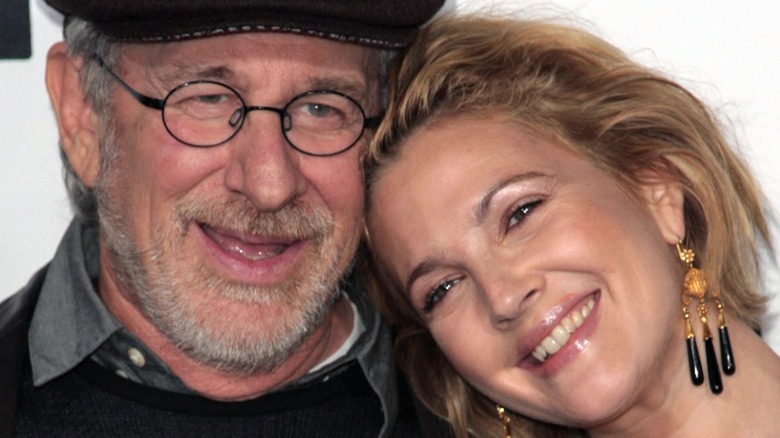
(121, 374)
(136, 357)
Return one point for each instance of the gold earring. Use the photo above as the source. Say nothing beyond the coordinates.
(504, 419)
(695, 286)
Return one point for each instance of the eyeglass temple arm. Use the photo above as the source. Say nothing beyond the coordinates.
(142, 99)
(372, 122)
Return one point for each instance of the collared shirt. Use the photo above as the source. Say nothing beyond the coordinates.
(70, 323)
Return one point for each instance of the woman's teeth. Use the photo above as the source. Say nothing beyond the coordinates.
(562, 332)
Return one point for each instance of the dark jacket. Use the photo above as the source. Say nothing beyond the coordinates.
(15, 315)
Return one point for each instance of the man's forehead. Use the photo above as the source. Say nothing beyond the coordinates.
(309, 62)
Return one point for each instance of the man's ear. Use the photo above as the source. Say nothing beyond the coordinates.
(73, 112)
(664, 196)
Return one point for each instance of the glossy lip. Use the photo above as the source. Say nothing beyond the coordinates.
(575, 344)
(270, 270)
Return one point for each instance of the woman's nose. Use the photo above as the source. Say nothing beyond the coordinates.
(507, 296)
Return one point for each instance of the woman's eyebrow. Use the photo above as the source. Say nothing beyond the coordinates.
(425, 267)
(482, 208)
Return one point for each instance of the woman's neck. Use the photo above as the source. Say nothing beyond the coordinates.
(749, 403)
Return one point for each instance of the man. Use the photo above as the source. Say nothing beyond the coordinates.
(212, 156)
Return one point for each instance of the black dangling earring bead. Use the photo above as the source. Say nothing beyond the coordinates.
(726, 355)
(713, 368)
(694, 362)
(713, 372)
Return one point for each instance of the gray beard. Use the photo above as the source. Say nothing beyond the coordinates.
(160, 291)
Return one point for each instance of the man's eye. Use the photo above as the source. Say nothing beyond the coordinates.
(211, 99)
(318, 117)
(318, 109)
(521, 212)
(203, 105)
(437, 294)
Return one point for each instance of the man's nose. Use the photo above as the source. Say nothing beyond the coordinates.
(263, 167)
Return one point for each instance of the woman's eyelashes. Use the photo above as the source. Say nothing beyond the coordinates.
(437, 293)
(520, 213)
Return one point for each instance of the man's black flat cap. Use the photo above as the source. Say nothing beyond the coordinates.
(382, 23)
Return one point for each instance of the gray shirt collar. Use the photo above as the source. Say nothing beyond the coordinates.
(70, 323)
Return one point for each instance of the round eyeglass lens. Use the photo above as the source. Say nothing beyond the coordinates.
(323, 122)
(199, 113)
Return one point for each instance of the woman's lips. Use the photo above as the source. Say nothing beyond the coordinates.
(560, 327)
(562, 332)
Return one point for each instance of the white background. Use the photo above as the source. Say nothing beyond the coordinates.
(727, 53)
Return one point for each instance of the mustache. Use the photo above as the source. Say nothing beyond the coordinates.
(294, 221)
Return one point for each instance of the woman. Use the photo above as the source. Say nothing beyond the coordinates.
(565, 234)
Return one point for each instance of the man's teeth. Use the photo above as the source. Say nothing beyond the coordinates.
(249, 250)
(255, 252)
(562, 332)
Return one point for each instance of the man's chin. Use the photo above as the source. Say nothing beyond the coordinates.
(247, 338)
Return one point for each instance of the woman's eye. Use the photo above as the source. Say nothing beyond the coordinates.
(521, 212)
(437, 294)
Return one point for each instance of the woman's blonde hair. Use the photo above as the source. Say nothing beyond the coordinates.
(578, 91)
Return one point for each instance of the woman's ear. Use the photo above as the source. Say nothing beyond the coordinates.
(73, 112)
(664, 196)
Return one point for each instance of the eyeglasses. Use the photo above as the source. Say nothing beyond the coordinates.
(206, 113)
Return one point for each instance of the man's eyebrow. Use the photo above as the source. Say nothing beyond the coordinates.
(482, 208)
(187, 72)
(353, 87)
